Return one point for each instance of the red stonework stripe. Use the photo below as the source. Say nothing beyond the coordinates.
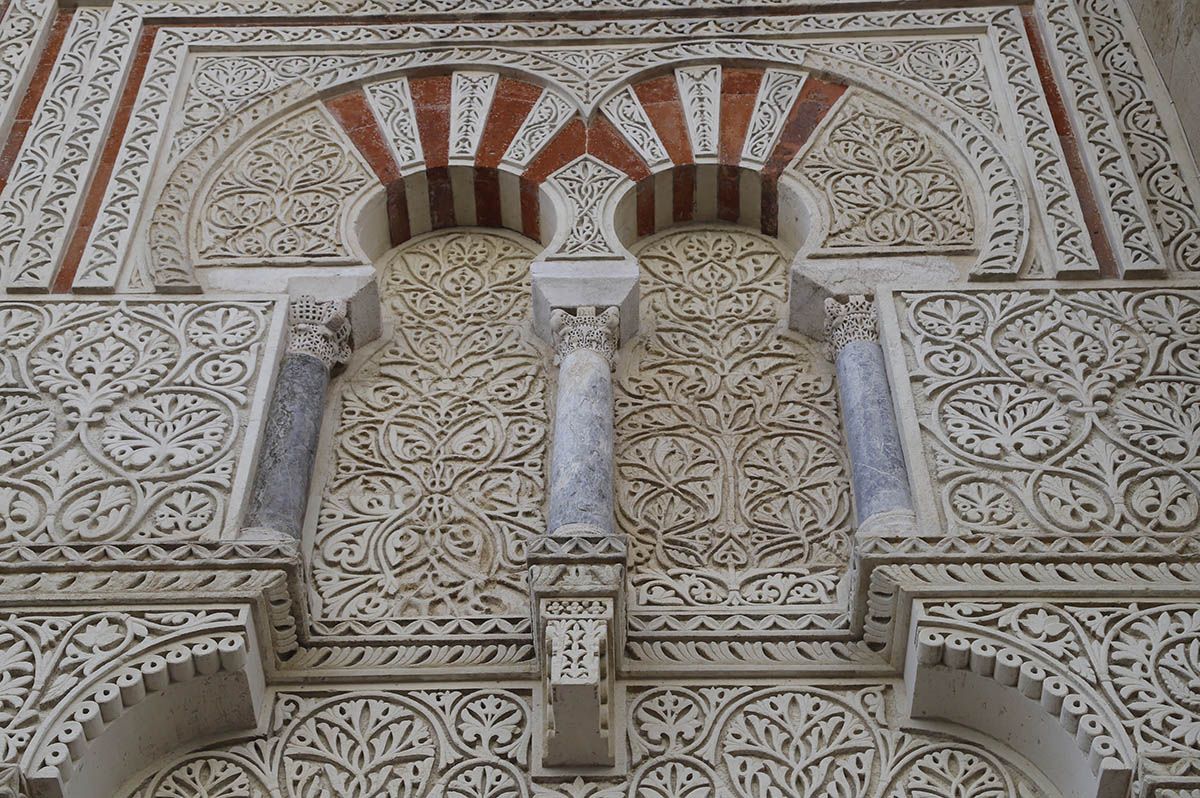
(431, 99)
(739, 90)
(816, 98)
(729, 193)
(487, 197)
(108, 157)
(660, 99)
(353, 113)
(569, 144)
(33, 94)
(683, 208)
(1084, 189)
(513, 101)
(606, 143)
(645, 207)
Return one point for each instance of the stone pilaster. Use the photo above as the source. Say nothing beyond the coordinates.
(883, 503)
(577, 568)
(318, 340)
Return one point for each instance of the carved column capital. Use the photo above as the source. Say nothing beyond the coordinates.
(586, 329)
(319, 329)
(850, 319)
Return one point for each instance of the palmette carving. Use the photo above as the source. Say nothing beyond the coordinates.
(684, 742)
(719, 511)
(1059, 412)
(886, 182)
(284, 196)
(125, 420)
(437, 477)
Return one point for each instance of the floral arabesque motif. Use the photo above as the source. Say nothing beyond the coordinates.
(438, 464)
(282, 197)
(732, 484)
(887, 184)
(124, 420)
(1059, 412)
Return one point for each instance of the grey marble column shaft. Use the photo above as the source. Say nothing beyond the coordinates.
(280, 494)
(581, 462)
(318, 340)
(876, 460)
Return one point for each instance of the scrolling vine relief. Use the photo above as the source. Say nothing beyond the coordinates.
(733, 485)
(440, 442)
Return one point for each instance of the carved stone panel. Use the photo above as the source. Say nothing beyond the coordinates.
(683, 742)
(128, 419)
(1057, 412)
(731, 479)
(437, 466)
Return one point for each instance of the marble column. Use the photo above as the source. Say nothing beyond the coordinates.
(318, 340)
(879, 476)
(576, 569)
(581, 461)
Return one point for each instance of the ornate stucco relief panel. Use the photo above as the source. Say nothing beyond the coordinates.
(436, 466)
(739, 740)
(1053, 412)
(731, 479)
(130, 419)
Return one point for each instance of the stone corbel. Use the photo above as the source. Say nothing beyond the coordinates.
(577, 569)
(319, 340)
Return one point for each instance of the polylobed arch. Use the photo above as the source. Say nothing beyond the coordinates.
(642, 130)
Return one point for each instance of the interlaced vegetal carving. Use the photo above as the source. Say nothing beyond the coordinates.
(689, 742)
(124, 420)
(1059, 412)
(438, 459)
(852, 319)
(585, 329)
(319, 329)
(731, 479)
(283, 196)
(886, 182)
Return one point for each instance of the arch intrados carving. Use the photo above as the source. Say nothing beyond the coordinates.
(1003, 689)
(176, 692)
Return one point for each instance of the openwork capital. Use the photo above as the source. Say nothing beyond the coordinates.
(848, 320)
(585, 329)
(319, 329)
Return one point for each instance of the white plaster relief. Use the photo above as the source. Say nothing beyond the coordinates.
(700, 93)
(1128, 218)
(716, 520)
(436, 477)
(626, 112)
(41, 153)
(23, 24)
(775, 99)
(284, 196)
(1057, 413)
(471, 96)
(588, 187)
(886, 182)
(131, 419)
(393, 106)
(548, 116)
(1166, 173)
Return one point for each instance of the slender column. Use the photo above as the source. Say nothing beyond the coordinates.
(877, 470)
(577, 569)
(318, 340)
(581, 464)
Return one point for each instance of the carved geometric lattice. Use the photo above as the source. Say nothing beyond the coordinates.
(732, 484)
(438, 461)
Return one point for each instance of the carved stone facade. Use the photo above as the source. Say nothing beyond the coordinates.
(596, 399)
